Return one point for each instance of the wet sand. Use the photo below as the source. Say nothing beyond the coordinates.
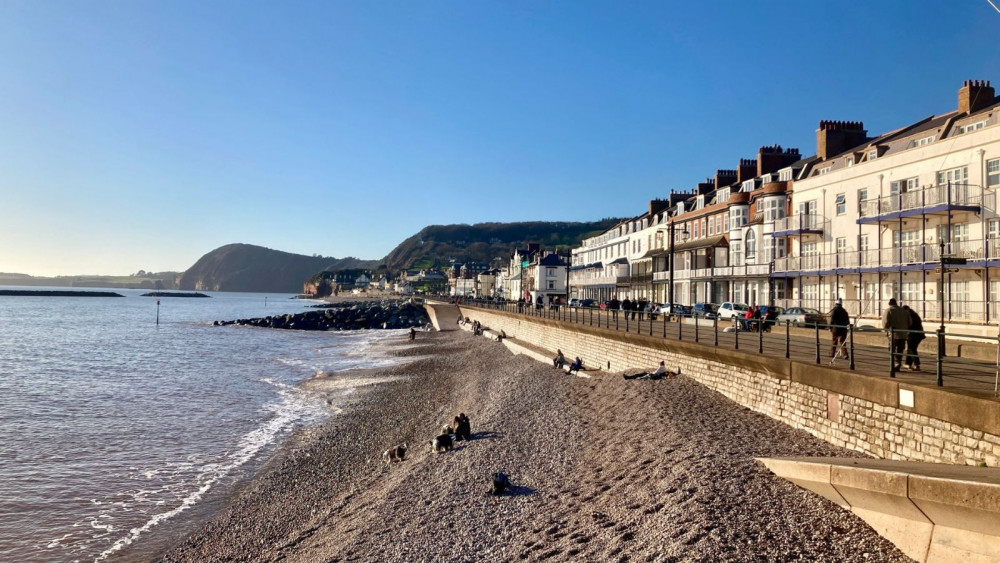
(604, 470)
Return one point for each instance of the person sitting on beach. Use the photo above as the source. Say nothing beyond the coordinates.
(576, 366)
(559, 361)
(501, 336)
(659, 373)
(413, 333)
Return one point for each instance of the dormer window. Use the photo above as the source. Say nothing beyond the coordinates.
(748, 186)
(723, 195)
(924, 141)
(872, 154)
(850, 161)
(824, 170)
(700, 203)
(785, 175)
(971, 127)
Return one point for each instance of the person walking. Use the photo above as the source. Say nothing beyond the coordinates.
(613, 306)
(896, 319)
(913, 339)
(627, 307)
(839, 322)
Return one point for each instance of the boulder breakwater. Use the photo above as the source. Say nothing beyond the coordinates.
(345, 316)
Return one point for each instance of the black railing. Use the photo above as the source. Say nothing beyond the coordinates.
(875, 355)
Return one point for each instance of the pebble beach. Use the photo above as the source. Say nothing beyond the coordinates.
(603, 469)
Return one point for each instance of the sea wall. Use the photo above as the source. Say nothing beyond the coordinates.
(878, 416)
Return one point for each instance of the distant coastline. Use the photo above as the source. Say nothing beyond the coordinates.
(55, 293)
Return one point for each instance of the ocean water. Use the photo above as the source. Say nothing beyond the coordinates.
(113, 427)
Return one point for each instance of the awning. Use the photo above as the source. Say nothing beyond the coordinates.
(710, 242)
(654, 252)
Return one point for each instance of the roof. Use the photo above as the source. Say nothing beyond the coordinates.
(552, 260)
(619, 261)
(718, 240)
(653, 253)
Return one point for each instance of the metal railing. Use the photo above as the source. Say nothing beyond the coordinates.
(866, 349)
(961, 195)
(891, 257)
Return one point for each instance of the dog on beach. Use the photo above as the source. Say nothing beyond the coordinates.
(442, 443)
(397, 453)
(447, 429)
(463, 427)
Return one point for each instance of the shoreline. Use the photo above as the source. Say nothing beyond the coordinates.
(604, 469)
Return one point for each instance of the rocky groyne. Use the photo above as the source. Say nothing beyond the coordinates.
(345, 316)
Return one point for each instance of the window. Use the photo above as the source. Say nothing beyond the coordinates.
(695, 233)
(897, 187)
(824, 170)
(907, 238)
(993, 228)
(841, 202)
(863, 242)
(738, 217)
(736, 253)
(725, 223)
(924, 141)
(722, 196)
(971, 127)
(718, 224)
(810, 249)
(959, 232)
(993, 172)
(911, 292)
(711, 227)
(751, 243)
(850, 161)
(550, 272)
(704, 231)
(785, 175)
(872, 154)
(862, 194)
(774, 209)
(841, 245)
(953, 176)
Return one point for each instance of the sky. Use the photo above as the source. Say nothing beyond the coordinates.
(139, 134)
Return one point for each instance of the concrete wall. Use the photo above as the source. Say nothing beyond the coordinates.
(862, 413)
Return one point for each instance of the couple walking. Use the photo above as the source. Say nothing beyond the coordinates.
(907, 334)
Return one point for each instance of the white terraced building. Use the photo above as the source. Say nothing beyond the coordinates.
(871, 214)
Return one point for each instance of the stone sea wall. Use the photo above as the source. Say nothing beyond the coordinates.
(878, 416)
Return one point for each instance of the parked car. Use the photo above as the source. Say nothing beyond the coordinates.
(704, 310)
(582, 303)
(802, 316)
(675, 310)
(730, 310)
(770, 315)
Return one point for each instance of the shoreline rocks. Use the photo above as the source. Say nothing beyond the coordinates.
(344, 316)
(51, 293)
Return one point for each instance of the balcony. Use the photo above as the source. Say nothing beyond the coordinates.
(804, 224)
(928, 200)
(979, 253)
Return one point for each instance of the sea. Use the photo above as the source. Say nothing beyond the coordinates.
(125, 422)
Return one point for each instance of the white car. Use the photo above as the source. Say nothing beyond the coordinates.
(729, 310)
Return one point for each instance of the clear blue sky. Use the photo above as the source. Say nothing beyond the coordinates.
(140, 135)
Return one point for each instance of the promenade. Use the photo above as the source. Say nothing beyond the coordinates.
(975, 372)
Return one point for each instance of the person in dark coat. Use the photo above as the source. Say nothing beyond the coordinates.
(839, 322)
(627, 307)
(913, 339)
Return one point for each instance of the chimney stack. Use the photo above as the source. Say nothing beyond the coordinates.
(747, 170)
(974, 95)
(657, 205)
(835, 137)
(724, 178)
(773, 158)
(705, 187)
